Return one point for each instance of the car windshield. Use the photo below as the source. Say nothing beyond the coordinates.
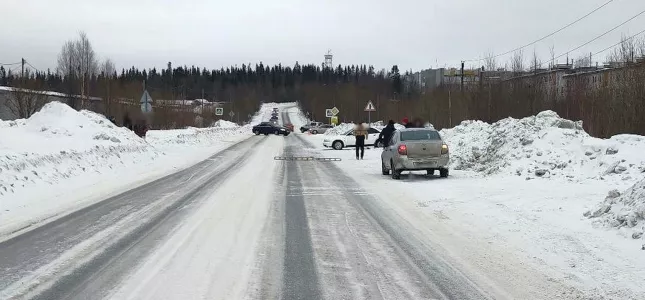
(417, 135)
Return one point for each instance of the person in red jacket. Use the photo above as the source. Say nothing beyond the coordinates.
(406, 123)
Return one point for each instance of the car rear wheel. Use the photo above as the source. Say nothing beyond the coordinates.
(384, 170)
(396, 174)
(378, 144)
(256, 132)
(431, 172)
(314, 132)
(277, 132)
(337, 145)
(443, 173)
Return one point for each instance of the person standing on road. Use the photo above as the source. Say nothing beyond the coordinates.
(386, 134)
(360, 133)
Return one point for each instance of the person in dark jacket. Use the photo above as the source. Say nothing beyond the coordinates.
(360, 133)
(386, 134)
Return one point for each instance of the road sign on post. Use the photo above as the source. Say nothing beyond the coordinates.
(331, 113)
(219, 111)
(146, 102)
(369, 108)
(334, 120)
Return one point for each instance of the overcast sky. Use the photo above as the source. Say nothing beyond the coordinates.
(415, 34)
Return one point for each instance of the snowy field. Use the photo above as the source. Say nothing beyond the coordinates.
(536, 192)
(60, 159)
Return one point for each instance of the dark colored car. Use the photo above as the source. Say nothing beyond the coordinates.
(267, 128)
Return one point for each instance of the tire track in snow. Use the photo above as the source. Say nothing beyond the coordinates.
(32, 253)
(404, 265)
(300, 279)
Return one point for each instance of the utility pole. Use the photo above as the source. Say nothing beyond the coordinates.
(22, 73)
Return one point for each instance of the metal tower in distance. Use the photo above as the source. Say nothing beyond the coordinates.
(328, 60)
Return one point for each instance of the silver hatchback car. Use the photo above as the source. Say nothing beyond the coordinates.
(415, 149)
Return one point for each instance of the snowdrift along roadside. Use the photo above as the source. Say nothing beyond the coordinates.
(624, 211)
(544, 145)
(49, 159)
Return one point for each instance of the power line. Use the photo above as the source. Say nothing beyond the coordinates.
(11, 64)
(32, 66)
(616, 44)
(597, 37)
(548, 35)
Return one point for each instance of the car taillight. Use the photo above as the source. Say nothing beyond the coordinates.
(403, 149)
(444, 149)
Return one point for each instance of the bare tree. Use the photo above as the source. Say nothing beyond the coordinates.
(77, 59)
(517, 62)
(552, 53)
(25, 99)
(87, 57)
(490, 61)
(582, 61)
(625, 52)
(107, 69)
(536, 63)
(640, 47)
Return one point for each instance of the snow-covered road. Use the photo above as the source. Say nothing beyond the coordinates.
(241, 225)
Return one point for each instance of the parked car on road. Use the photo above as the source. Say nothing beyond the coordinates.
(320, 129)
(347, 139)
(267, 128)
(415, 149)
(306, 127)
(289, 126)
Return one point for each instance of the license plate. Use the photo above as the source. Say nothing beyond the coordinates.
(425, 163)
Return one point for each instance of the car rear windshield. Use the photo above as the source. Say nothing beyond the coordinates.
(417, 135)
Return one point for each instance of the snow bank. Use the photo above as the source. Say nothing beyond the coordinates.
(623, 211)
(59, 149)
(224, 124)
(544, 145)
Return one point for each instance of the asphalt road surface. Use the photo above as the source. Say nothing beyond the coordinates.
(239, 225)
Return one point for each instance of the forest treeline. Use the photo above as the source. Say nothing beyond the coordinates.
(615, 106)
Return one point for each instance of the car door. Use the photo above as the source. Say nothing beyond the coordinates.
(388, 150)
(350, 140)
(372, 135)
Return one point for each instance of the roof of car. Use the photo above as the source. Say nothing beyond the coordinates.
(416, 129)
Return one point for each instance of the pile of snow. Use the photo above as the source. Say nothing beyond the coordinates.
(59, 143)
(544, 145)
(224, 124)
(193, 136)
(623, 211)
